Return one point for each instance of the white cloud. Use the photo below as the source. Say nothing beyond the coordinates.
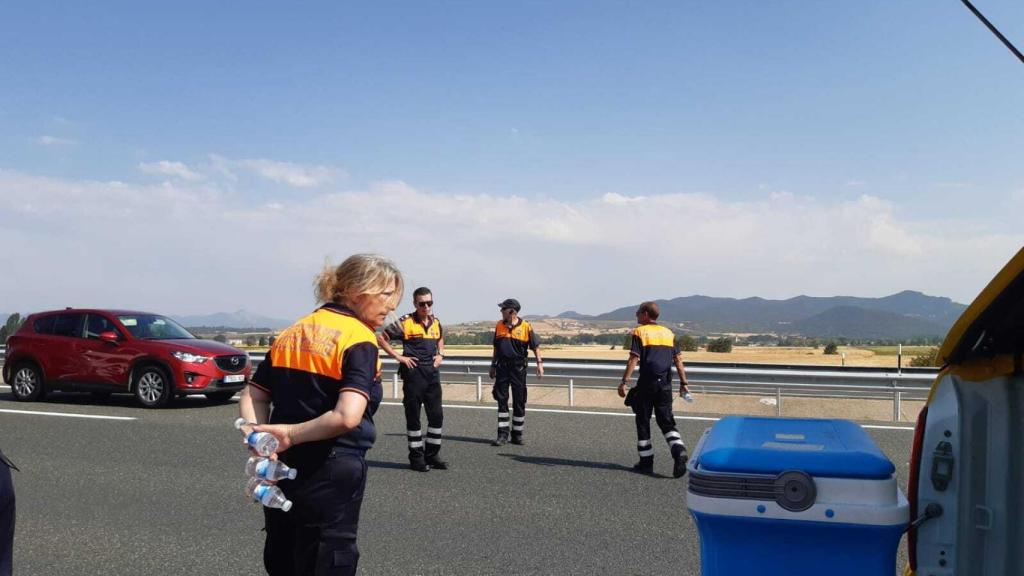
(619, 199)
(296, 175)
(188, 246)
(167, 168)
(223, 167)
(47, 140)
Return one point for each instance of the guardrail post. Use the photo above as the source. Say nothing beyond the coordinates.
(778, 401)
(897, 399)
(394, 385)
(572, 398)
(479, 388)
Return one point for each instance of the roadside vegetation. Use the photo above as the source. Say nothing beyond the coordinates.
(10, 326)
(928, 357)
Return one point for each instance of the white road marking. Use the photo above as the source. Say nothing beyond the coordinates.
(67, 415)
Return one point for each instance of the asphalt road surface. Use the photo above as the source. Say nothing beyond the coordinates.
(141, 492)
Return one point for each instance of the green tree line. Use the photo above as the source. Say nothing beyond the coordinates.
(11, 326)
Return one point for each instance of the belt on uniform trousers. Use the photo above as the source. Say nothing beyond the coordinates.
(516, 363)
(348, 450)
(420, 365)
(654, 383)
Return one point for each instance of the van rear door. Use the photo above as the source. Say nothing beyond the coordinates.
(968, 469)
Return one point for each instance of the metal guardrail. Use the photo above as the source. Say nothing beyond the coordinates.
(704, 377)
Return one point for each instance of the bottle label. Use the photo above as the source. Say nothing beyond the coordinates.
(251, 439)
(262, 468)
(260, 492)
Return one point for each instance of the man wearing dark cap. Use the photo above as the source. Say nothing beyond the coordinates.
(653, 348)
(513, 336)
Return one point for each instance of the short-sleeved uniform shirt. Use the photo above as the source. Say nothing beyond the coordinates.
(511, 344)
(311, 363)
(656, 348)
(419, 340)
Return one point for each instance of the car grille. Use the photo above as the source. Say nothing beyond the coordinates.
(234, 363)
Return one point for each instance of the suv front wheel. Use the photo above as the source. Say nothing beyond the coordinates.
(152, 387)
(27, 383)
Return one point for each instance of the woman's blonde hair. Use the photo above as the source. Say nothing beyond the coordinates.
(358, 274)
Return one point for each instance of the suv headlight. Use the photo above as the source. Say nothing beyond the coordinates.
(190, 357)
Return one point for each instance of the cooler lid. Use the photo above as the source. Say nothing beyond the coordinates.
(827, 448)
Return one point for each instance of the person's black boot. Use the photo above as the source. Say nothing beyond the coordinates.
(435, 462)
(679, 467)
(418, 463)
(501, 440)
(645, 465)
(517, 439)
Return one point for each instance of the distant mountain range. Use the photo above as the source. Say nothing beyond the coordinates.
(903, 315)
(237, 319)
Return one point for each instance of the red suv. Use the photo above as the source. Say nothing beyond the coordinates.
(106, 351)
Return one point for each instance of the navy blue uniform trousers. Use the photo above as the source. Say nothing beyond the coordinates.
(6, 516)
(317, 537)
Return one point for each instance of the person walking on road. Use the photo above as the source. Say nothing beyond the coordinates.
(6, 516)
(422, 353)
(513, 336)
(316, 392)
(653, 348)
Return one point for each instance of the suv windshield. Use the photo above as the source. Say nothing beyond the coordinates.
(154, 327)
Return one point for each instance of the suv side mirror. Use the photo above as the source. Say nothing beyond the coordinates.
(109, 336)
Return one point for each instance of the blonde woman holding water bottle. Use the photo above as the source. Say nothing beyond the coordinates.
(316, 392)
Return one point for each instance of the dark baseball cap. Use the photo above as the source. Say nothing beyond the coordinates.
(510, 303)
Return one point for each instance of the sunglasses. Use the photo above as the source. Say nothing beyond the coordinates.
(425, 304)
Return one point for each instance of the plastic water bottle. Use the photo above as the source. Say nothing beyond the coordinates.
(263, 443)
(267, 469)
(687, 397)
(267, 494)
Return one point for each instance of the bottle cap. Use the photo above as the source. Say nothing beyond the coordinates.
(286, 506)
(292, 474)
(239, 423)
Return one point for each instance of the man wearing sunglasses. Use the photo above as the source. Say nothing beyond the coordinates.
(513, 336)
(422, 353)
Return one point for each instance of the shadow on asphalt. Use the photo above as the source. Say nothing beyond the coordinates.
(466, 439)
(382, 464)
(542, 461)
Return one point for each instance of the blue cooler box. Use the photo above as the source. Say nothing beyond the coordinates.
(794, 497)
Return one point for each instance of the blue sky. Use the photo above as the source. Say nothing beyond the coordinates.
(190, 158)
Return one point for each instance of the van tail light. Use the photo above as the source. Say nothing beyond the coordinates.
(915, 476)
